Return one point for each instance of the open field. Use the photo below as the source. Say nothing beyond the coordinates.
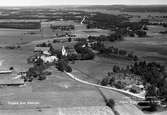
(16, 36)
(93, 110)
(145, 47)
(98, 68)
(16, 58)
(151, 48)
(56, 91)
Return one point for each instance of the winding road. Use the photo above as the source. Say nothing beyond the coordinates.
(110, 88)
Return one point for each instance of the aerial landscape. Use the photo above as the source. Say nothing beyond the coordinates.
(83, 58)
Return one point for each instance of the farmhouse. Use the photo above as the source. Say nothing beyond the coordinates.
(49, 59)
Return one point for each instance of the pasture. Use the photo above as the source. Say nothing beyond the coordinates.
(151, 48)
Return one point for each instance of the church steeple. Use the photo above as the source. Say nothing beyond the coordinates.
(64, 52)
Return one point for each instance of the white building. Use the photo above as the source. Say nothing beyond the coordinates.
(49, 59)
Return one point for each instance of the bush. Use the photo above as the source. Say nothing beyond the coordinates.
(152, 108)
(44, 45)
(143, 104)
(41, 77)
(98, 46)
(60, 66)
(116, 69)
(11, 68)
(55, 41)
(122, 52)
(86, 53)
(133, 90)
(141, 33)
(105, 81)
(131, 34)
(69, 39)
(111, 103)
(135, 58)
(119, 85)
(68, 69)
(130, 55)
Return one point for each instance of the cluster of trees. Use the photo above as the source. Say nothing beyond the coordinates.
(132, 28)
(154, 74)
(154, 77)
(116, 37)
(163, 32)
(62, 65)
(151, 72)
(116, 69)
(13, 47)
(44, 45)
(84, 52)
(165, 25)
(112, 82)
(69, 39)
(141, 33)
(63, 28)
(119, 24)
(104, 21)
(112, 51)
(37, 71)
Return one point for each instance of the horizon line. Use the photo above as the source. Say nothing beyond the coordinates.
(84, 5)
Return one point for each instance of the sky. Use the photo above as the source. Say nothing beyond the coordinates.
(79, 2)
